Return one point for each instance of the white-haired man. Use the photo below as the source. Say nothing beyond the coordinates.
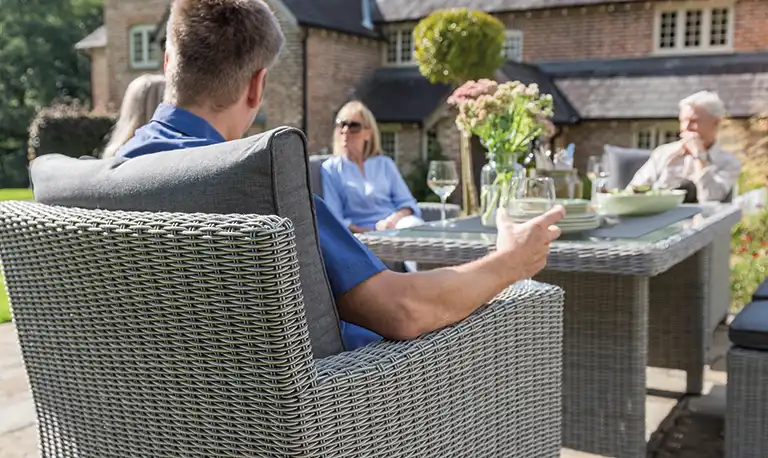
(696, 162)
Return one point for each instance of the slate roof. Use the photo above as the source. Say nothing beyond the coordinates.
(657, 97)
(401, 94)
(96, 39)
(339, 15)
(659, 66)
(651, 88)
(405, 10)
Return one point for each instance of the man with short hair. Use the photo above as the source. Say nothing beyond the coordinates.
(218, 53)
(696, 162)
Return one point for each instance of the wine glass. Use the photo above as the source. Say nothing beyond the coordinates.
(529, 198)
(597, 172)
(442, 179)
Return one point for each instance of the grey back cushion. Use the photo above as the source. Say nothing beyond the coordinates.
(623, 163)
(264, 174)
(315, 172)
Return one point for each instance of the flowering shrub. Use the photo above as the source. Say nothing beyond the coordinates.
(749, 260)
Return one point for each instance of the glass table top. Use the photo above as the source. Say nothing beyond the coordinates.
(488, 235)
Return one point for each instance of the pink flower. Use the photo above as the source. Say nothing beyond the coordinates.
(471, 90)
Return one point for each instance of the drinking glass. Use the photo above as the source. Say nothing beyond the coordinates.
(597, 172)
(529, 198)
(442, 179)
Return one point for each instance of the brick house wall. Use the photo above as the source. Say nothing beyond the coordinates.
(100, 95)
(590, 136)
(580, 33)
(283, 96)
(119, 17)
(410, 147)
(336, 65)
(749, 25)
(617, 31)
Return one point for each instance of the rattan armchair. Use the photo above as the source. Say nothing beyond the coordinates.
(178, 334)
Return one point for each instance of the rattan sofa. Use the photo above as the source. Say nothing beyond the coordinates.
(182, 333)
(746, 432)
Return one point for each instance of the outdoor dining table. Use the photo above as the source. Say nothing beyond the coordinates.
(649, 291)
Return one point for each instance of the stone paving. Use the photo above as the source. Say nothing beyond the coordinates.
(678, 427)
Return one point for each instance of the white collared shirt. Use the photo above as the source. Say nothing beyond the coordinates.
(666, 169)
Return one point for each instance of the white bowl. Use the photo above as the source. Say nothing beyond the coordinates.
(639, 204)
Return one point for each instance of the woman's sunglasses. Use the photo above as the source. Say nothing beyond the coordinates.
(353, 127)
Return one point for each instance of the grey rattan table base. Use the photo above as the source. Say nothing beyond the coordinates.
(604, 359)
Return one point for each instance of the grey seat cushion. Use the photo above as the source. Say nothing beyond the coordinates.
(264, 174)
(749, 329)
(315, 172)
(623, 163)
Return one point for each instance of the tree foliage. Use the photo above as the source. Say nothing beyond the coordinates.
(456, 45)
(38, 64)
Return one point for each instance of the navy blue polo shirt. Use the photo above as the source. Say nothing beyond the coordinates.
(347, 261)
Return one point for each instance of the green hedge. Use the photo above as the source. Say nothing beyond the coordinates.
(69, 129)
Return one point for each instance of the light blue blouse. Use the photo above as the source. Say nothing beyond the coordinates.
(365, 200)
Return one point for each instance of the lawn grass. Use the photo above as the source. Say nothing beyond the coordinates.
(10, 194)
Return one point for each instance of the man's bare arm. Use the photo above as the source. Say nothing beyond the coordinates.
(405, 306)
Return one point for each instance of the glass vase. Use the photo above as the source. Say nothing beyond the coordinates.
(495, 177)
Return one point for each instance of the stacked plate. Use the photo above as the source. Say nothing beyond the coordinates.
(579, 215)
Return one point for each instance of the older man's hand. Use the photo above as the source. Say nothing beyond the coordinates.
(693, 144)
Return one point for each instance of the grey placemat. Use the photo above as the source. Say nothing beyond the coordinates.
(628, 227)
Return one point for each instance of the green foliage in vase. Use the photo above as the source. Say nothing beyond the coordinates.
(505, 117)
(456, 45)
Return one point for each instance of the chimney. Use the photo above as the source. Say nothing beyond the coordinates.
(367, 22)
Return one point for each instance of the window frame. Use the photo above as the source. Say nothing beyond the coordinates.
(399, 32)
(146, 31)
(510, 33)
(395, 142)
(658, 132)
(681, 9)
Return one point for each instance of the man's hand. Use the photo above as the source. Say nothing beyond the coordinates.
(693, 144)
(528, 243)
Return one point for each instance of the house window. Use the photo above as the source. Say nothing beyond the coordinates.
(693, 27)
(718, 35)
(652, 136)
(145, 53)
(400, 47)
(389, 144)
(513, 45)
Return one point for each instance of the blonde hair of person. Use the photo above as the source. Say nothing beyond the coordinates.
(140, 101)
(373, 145)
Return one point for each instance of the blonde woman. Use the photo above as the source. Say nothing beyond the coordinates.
(141, 99)
(362, 187)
